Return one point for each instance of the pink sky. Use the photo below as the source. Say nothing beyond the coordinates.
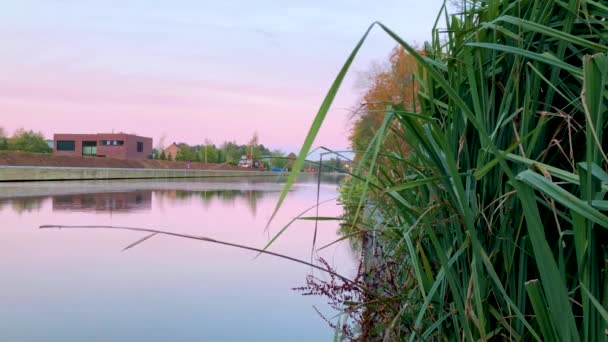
(191, 70)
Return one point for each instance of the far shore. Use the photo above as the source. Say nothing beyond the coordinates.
(11, 158)
(45, 173)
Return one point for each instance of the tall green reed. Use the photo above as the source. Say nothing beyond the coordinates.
(494, 225)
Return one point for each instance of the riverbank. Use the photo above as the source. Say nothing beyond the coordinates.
(12, 190)
(51, 160)
(41, 173)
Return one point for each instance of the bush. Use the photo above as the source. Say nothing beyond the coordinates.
(28, 141)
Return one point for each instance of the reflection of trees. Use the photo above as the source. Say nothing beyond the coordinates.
(24, 204)
(105, 201)
(206, 197)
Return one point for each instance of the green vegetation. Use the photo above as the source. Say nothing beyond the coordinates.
(492, 225)
(333, 164)
(3, 140)
(24, 141)
(229, 152)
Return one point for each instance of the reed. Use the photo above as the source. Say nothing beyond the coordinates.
(493, 226)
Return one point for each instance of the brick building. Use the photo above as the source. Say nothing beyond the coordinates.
(112, 145)
(171, 150)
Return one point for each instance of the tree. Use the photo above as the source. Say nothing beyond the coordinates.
(206, 149)
(184, 153)
(278, 159)
(210, 153)
(197, 155)
(253, 144)
(3, 139)
(333, 164)
(169, 158)
(388, 85)
(29, 141)
(232, 152)
(163, 156)
(220, 157)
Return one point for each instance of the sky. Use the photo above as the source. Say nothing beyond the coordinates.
(191, 70)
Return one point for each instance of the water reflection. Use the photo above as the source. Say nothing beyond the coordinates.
(134, 201)
(206, 197)
(23, 205)
(166, 289)
(110, 201)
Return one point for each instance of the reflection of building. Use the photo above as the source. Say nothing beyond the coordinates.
(121, 145)
(106, 201)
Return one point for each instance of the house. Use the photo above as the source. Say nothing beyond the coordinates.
(171, 150)
(112, 145)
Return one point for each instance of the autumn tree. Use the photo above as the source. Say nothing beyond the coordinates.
(391, 84)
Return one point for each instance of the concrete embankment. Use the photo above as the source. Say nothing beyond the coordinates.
(37, 173)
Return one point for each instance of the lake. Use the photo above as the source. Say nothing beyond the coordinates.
(79, 285)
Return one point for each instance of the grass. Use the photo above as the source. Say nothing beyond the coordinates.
(494, 225)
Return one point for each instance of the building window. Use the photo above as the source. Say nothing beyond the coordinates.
(66, 145)
(112, 142)
(89, 148)
(140, 146)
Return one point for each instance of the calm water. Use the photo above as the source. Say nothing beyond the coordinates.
(78, 284)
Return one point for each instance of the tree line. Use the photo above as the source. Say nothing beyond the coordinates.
(229, 152)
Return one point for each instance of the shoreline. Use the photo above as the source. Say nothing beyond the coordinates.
(57, 173)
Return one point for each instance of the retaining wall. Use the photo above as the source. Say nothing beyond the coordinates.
(39, 173)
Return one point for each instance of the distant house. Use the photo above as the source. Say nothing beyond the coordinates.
(171, 150)
(113, 145)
